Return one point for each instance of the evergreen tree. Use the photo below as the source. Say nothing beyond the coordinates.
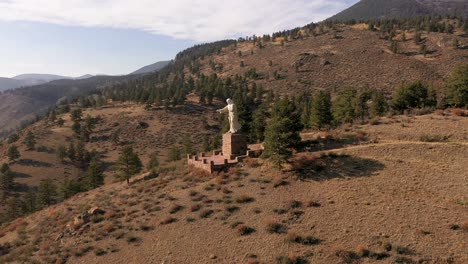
(71, 152)
(30, 205)
(70, 188)
(6, 179)
(378, 106)
(94, 176)
(153, 162)
(30, 141)
(414, 95)
(457, 87)
(128, 164)
(282, 132)
(76, 114)
(76, 128)
(61, 153)
(46, 193)
(174, 154)
(60, 122)
(259, 124)
(321, 115)
(344, 107)
(394, 47)
(13, 153)
(13, 209)
(188, 145)
(13, 138)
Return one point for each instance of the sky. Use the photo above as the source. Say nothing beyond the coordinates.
(77, 37)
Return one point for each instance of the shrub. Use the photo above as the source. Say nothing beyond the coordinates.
(175, 208)
(279, 183)
(195, 207)
(244, 230)
(307, 240)
(236, 224)
(168, 220)
(133, 239)
(347, 256)
(232, 208)
(291, 260)
(276, 228)
(295, 204)
(206, 213)
(245, 199)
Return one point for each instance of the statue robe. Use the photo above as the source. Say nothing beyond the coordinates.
(233, 120)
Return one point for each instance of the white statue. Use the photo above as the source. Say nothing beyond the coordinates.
(233, 122)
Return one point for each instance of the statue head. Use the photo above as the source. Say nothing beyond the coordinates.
(229, 101)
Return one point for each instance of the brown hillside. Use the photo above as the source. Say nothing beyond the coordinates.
(398, 195)
(166, 129)
(343, 58)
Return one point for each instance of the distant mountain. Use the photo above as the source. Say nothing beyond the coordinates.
(31, 79)
(152, 68)
(9, 83)
(86, 76)
(369, 9)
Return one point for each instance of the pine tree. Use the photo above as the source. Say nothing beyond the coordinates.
(76, 114)
(13, 153)
(394, 47)
(457, 87)
(30, 141)
(71, 152)
(378, 106)
(282, 132)
(321, 115)
(70, 188)
(61, 153)
(259, 124)
(13, 209)
(60, 122)
(128, 164)
(94, 176)
(344, 107)
(188, 145)
(6, 178)
(46, 193)
(153, 162)
(76, 128)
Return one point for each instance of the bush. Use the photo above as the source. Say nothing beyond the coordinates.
(206, 213)
(245, 199)
(307, 240)
(276, 228)
(244, 230)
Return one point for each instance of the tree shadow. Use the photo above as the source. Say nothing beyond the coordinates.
(22, 175)
(34, 163)
(21, 187)
(331, 166)
(322, 144)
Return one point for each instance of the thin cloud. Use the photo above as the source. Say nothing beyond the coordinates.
(199, 20)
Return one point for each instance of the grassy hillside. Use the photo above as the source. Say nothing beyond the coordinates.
(397, 194)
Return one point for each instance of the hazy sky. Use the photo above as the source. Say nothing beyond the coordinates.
(76, 37)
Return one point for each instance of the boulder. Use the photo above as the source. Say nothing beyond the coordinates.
(96, 211)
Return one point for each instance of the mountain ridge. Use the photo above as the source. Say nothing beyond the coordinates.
(375, 9)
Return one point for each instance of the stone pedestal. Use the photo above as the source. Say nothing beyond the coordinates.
(234, 145)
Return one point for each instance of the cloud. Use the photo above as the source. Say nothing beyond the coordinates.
(199, 20)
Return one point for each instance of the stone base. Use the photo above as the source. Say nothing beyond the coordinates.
(234, 145)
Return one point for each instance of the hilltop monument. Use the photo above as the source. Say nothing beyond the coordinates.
(235, 148)
(234, 143)
(233, 120)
